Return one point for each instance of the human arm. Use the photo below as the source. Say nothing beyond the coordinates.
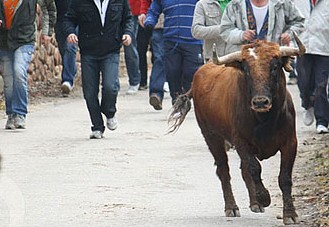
(199, 28)
(294, 22)
(48, 9)
(128, 30)
(231, 29)
(70, 22)
(153, 14)
(145, 5)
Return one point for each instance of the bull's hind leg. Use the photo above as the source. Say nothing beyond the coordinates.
(217, 148)
(259, 196)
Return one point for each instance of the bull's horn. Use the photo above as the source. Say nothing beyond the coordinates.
(229, 58)
(293, 51)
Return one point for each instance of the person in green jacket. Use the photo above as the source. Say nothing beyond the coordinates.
(206, 20)
(17, 39)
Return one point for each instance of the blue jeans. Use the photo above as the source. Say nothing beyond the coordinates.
(158, 76)
(7, 73)
(132, 59)
(22, 59)
(68, 53)
(181, 62)
(91, 69)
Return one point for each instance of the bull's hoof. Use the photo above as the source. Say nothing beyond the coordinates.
(257, 208)
(232, 212)
(290, 220)
(263, 196)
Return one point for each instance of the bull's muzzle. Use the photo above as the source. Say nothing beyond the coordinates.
(261, 103)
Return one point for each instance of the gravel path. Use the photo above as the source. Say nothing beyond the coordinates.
(53, 175)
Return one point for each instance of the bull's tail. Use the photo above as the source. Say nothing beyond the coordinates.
(179, 111)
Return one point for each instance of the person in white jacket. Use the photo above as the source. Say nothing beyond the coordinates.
(244, 21)
(313, 67)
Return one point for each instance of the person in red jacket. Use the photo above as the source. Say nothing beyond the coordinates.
(143, 44)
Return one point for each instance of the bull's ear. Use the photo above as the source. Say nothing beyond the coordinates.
(286, 62)
(236, 64)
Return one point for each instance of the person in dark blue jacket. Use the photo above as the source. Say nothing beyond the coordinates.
(182, 52)
(103, 27)
(67, 50)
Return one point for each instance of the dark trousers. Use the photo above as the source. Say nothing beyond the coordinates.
(158, 76)
(92, 67)
(313, 72)
(143, 42)
(181, 62)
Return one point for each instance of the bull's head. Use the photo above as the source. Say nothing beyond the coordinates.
(262, 64)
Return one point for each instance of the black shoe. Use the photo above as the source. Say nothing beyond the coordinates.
(156, 102)
(142, 87)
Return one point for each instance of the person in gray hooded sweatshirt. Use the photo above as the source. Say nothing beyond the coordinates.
(313, 67)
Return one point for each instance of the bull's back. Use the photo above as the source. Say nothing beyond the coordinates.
(214, 92)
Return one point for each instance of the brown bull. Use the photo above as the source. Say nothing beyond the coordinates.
(242, 98)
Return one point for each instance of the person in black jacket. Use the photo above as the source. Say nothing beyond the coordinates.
(17, 39)
(103, 27)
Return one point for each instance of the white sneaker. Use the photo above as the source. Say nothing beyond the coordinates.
(292, 81)
(112, 123)
(166, 87)
(10, 124)
(308, 117)
(320, 129)
(132, 90)
(66, 88)
(19, 121)
(96, 135)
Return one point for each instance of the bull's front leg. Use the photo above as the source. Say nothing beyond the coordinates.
(288, 154)
(259, 196)
(217, 148)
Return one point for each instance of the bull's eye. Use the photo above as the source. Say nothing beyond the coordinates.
(275, 65)
(245, 68)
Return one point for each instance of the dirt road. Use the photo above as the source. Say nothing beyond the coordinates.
(54, 175)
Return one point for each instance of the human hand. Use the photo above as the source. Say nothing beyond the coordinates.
(126, 40)
(0, 23)
(141, 19)
(285, 39)
(45, 40)
(72, 38)
(248, 35)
